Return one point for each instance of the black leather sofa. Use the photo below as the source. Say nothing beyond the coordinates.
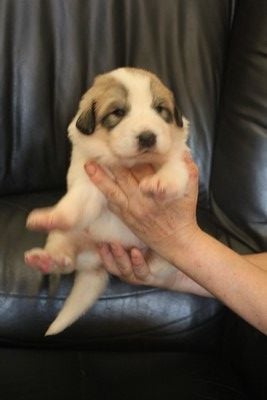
(136, 342)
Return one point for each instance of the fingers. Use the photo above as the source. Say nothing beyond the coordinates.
(106, 184)
(125, 180)
(108, 259)
(122, 260)
(191, 165)
(116, 260)
(142, 170)
(122, 192)
(140, 267)
(192, 187)
(130, 178)
(131, 267)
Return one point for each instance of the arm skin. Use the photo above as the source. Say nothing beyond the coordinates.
(211, 268)
(132, 267)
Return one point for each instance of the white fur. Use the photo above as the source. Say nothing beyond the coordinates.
(84, 206)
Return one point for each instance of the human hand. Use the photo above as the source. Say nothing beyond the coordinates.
(164, 228)
(135, 267)
(138, 269)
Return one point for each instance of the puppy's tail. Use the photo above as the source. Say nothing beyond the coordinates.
(87, 287)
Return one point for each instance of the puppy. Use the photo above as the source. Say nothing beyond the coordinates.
(127, 117)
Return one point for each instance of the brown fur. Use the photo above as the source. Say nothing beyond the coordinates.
(107, 92)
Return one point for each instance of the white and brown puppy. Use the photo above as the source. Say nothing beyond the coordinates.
(127, 117)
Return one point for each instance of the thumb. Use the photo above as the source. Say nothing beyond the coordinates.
(106, 185)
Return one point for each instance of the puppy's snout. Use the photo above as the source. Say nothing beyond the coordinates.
(146, 139)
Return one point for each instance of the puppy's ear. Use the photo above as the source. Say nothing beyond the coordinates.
(87, 121)
(178, 117)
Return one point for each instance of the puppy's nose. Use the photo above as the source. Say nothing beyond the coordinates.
(146, 139)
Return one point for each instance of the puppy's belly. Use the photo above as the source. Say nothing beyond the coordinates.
(109, 228)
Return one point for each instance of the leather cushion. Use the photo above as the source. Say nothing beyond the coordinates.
(125, 314)
(52, 50)
(240, 156)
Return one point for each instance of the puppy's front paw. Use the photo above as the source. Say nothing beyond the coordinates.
(46, 262)
(47, 219)
(162, 186)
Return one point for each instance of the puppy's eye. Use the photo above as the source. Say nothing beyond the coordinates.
(164, 112)
(119, 112)
(160, 109)
(113, 118)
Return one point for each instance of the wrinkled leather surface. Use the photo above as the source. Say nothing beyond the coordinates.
(239, 180)
(51, 50)
(124, 316)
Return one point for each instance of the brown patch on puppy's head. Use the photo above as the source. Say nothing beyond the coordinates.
(163, 98)
(105, 102)
(164, 103)
(133, 117)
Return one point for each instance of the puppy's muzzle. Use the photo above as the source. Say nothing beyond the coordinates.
(146, 140)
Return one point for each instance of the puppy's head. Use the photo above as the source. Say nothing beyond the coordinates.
(128, 114)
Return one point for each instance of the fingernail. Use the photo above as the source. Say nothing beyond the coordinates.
(90, 168)
(137, 258)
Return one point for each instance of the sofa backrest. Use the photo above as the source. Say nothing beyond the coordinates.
(51, 51)
(239, 178)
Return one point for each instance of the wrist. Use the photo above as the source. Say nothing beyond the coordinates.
(183, 247)
(184, 284)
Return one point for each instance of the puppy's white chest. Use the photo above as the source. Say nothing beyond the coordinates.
(109, 228)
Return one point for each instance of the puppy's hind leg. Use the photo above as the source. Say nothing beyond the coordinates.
(59, 253)
(90, 282)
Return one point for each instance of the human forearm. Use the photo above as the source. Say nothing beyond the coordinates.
(172, 232)
(188, 285)
(258, 259)
(228, 276)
